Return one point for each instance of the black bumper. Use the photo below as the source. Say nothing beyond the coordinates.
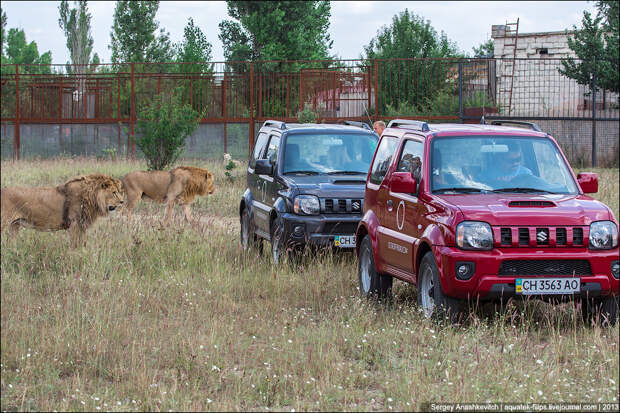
(318, 230)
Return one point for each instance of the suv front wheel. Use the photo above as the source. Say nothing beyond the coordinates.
(600, 310)
(431, 297)
(248, 237)
(372, 284)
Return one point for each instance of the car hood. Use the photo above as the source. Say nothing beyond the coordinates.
(526, 209)
(330, 186)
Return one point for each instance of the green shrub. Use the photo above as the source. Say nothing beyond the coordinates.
(307, 116)
(442, 103)
(163, 125)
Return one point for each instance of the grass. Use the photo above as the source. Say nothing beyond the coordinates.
(151, 318)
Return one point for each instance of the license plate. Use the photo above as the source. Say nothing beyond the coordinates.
(344, 241)
(529, 286)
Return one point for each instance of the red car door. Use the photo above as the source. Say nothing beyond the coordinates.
(402, 214)
(377, 187)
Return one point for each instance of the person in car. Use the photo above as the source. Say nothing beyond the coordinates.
(510, 165)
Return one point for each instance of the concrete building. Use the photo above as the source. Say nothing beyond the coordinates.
(524, 87)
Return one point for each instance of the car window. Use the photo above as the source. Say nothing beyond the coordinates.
(499, 163)
(411, 159)
(272, 149)
(259, 148)
(551, 165)
(383, 159)
(328, 153)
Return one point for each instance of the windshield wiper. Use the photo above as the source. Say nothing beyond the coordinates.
(462, 189)
(301, 172)
(346, 173)
(521, 189)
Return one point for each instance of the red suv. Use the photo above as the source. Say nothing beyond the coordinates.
(484, 212)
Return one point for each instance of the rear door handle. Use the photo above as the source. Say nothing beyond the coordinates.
(390, 205)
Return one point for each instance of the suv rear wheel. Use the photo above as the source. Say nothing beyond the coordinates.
(431, 297)
(603, 311)
(372, 284)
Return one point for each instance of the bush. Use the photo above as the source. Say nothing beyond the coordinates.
(163, 125)
(307, 116)
(442, 103)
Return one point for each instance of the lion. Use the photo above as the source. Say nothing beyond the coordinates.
(180, 185)
(74, 205)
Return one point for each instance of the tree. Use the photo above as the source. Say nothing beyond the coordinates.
(194, 48)
(276, 30)
(486, 49)
(18, 51)
(163, 126)
(610, 9)
(75, 24)
(133, 37)
(596, 50)
(409, 36)
(2, 38)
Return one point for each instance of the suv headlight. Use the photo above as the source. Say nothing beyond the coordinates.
(603, 235)
(474, 235)
(306, 204)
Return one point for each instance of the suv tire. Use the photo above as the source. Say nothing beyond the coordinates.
(278, 249)
(247, 236)
(431, 298)
(372, 284)
(601, 310)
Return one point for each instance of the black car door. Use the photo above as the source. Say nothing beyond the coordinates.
(270, 185)
(255, 183)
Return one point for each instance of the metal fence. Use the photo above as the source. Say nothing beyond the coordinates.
(51, 110)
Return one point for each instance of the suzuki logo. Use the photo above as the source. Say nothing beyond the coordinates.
(541, 236)
(355, 205)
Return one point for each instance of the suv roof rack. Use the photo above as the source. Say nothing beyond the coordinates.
(422, 126)
(500, 122)
(356, 123)
(275, 123)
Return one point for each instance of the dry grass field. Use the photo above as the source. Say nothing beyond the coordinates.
(152, 318)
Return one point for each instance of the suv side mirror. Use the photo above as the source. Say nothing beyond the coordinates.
(403, 182)
(263, 167)
(588, 181)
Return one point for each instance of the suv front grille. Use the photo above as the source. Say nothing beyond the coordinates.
(540, 237)
(545, 267)
(341, 206)
(340, 227)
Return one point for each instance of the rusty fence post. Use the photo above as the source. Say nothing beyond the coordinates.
(16, 132)
(118, 108)
(594, 160)
(251, 128)
(60, 110)
(131, 137)
(376, 89)
(223, 87)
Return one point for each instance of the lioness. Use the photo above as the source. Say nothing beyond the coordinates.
(180, 185)
(74, 205)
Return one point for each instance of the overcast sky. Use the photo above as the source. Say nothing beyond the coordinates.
(352, 23)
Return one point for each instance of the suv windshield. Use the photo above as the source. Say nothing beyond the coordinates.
(499, 164)
(328, 153)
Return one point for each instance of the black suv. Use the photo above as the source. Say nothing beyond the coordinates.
(306, 186)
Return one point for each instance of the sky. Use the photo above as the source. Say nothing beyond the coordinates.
(352, 24)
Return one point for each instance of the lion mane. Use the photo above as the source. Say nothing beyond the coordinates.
(74, 205)
(179, 186)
